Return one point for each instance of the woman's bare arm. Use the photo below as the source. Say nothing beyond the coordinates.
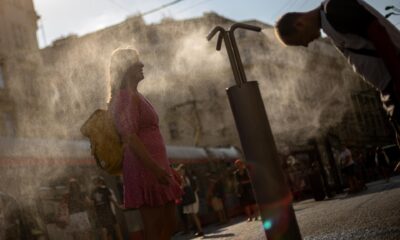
(134, 143)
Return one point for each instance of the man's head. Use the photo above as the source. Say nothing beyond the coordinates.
(239, 164)
(298, 29)
(98, 181)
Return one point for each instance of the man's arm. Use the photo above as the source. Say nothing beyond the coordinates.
(386, 49)
(348, 16)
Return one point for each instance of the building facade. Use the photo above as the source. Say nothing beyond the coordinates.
(307, 92)
(19, 63)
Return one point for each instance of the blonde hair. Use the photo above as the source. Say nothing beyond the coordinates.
(121, 60)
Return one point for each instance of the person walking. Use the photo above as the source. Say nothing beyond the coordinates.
(77, 204)
(215, 196)
(190, 199)
(245, 191)
(11, 224)
(147, 175)
(369, 42)
(382, 162)
(347, 166)
(103, 198)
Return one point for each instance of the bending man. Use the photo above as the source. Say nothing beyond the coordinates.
(370, 43)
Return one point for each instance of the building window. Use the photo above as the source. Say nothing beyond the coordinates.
(152, 36)
(7, 125)
(19, 35)
(2, 80)
(173, 130)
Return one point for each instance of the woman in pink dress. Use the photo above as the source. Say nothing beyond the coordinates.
(147, 176)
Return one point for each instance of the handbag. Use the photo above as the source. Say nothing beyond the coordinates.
(189, 196)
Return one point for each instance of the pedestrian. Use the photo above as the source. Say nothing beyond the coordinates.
(383, 163)
(147, 176)
(369, 41)
(397, 168)
(215, 196)
(11, 226)
(77, 203)
(103, 199)
(347, 167)
(370, 164)
(360, 169)
(190, 198)
(178, 201)
(244, 190)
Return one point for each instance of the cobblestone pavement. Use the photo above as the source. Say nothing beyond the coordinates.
(372, 214)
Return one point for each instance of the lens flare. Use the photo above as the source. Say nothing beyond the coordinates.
(267, 225)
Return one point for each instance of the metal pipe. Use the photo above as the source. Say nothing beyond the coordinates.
(233, 59)
(237, 56)
(271, 191)
(270, 188)
(220, 36)
(235, 48)
(231, 54)
(244, 26)
(214, 31)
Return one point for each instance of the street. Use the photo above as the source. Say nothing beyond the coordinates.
(371, 214)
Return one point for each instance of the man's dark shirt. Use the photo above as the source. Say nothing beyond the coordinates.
(101, 197)
(348, 16)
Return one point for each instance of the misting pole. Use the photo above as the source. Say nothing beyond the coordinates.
(271, 191)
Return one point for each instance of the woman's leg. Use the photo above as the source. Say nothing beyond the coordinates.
(118, 232)
(158, 222)
(169, 219)
(255, 211)
(353, 184)
(220, 215)
(386, 174)
(150, 219)
(197, 222)
(247, 210)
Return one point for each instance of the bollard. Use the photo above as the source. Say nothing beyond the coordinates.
(271, 191)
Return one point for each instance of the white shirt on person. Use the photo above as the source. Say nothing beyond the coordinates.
(345, 158)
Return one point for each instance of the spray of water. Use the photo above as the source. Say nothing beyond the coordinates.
(305, 91)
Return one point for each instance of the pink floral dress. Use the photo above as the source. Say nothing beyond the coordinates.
(141, 187)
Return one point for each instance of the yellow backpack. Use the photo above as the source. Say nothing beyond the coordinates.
(105, 141)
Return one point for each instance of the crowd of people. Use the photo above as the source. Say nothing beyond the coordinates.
(77, 214)
(90, 213)
(215, 197)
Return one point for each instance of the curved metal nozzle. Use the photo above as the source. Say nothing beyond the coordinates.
(231, 47)
(244, 26)
(220, 36)
(214, 31)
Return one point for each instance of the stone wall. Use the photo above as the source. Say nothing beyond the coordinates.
(307, 92)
